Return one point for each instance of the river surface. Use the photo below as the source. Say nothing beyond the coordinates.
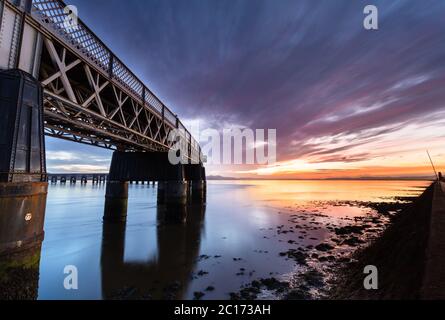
(237, 237)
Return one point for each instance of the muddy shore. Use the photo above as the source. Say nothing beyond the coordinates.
(398, 254)
(391, 236)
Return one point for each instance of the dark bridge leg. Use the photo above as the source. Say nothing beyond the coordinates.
(195, 174)
(23, 185)
(176, 183)
(172, 192)
(116, 201)
(172, 200)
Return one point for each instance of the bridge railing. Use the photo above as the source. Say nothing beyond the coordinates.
(51, 13)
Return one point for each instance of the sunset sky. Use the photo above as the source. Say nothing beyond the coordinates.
(345, 101)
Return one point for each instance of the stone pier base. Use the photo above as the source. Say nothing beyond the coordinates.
(22, 215)
(172, 200)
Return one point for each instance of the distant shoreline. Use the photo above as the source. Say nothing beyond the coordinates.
(330, 179)
(220, 178)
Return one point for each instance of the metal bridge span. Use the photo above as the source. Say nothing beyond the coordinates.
(90, 96)
(64, 82)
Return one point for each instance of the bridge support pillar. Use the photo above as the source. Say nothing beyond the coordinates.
(23, 185)
(172, 192)
(195, 174)
(116, 201)
(172, 200)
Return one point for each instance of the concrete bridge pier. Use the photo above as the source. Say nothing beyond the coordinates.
(172, 200)
(23, 185)
(195, 174)
(116, 201)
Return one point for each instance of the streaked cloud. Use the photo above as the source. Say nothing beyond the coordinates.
(341, 98)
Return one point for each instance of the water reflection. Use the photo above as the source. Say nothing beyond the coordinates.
(165, 276)
(158, 249)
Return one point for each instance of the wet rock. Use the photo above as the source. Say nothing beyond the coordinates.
(312, 278)
(297, 294)
(298, 256)
(348, 230)
(203, 257)
(324, 247)
(352, 241)
(249, 293)
(202, 273)
(197, 295)
(274, 284)
(344, 259)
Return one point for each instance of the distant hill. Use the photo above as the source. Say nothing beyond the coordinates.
(217, 177)
(220, 178)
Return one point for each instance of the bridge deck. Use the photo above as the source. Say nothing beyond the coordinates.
(90, 96)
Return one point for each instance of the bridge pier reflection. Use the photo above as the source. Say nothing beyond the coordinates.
(167, 275)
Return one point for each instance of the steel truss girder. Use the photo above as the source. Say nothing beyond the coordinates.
(80, 74)
(61, 133)
(118, 119)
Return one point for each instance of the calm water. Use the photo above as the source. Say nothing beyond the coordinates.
(236, 230)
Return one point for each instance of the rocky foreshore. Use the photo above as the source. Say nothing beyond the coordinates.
(398, 254)
(329, 253)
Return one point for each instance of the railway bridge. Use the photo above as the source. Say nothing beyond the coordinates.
(62, 81)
